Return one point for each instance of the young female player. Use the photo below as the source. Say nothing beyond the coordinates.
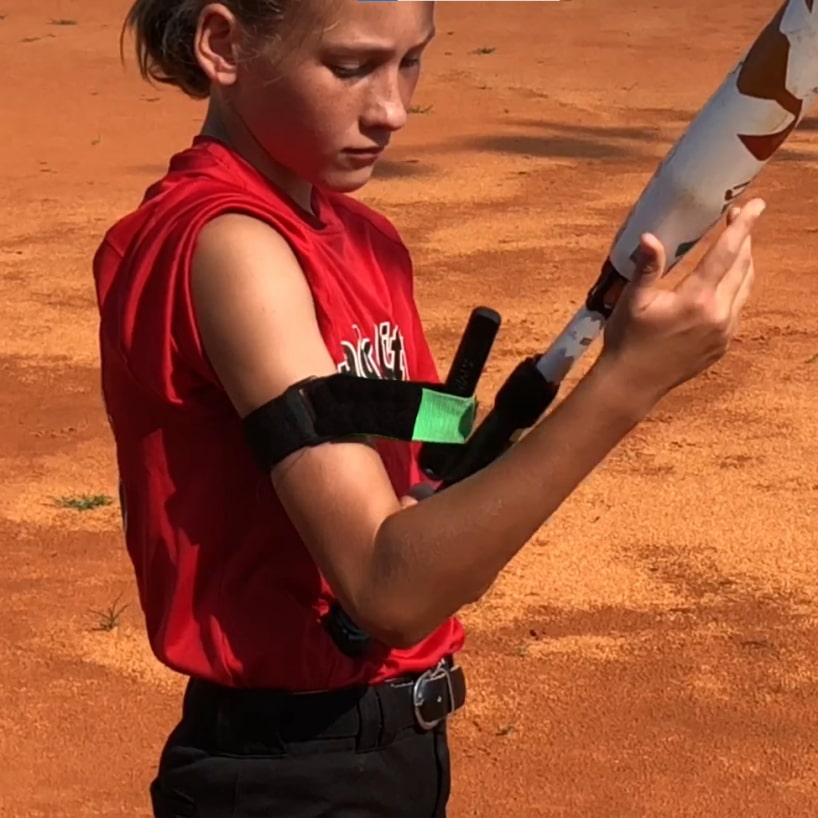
(245, 270)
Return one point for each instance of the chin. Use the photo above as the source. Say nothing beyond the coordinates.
(347, 181)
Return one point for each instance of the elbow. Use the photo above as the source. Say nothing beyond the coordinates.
(396, 602)
(403, 625)
(407, 635)
(397, 627)
(400, 639)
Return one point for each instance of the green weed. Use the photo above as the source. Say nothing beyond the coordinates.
(84, 502)
(108, 619)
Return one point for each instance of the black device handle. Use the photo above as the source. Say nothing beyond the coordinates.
(464, 374)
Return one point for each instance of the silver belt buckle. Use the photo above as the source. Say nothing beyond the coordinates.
(440, 671)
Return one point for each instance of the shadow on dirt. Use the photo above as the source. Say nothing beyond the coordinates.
(562, 147)
(808, 124)
(708, 703)
(48, 406)
(646, 133)
(796, 155)
(576, 141)
(154, 171)
(400, 169)
(648, 142)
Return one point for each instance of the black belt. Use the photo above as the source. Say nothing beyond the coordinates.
(243, 720)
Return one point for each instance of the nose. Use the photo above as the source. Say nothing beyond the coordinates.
(386, 108)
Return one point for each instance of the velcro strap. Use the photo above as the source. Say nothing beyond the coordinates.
(317, 410)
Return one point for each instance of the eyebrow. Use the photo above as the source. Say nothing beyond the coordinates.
(374, 46)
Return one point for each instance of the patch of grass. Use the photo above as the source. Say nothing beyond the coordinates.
(484, 50)
(63, 21)
(84, 502)
(108, 619)
(417, 109)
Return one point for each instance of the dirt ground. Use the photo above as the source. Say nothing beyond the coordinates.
(652, 652)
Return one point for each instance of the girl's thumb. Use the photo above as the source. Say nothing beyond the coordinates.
(650, 261)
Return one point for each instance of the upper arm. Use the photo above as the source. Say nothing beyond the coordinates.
(254, 311)
(258, 327)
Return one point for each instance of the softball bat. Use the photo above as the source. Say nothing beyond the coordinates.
(740, 127)
(735, 134)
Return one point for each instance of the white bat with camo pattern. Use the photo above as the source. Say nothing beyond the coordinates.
(761, 101)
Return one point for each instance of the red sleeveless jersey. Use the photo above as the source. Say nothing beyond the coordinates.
(228, 590)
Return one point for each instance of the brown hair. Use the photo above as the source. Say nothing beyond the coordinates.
(164, 31)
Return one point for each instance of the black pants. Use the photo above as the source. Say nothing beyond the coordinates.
(347, 754)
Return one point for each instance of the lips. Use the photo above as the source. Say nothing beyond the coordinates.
(362, 157)
(370, 152)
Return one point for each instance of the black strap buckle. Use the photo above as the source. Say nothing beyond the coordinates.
(436, 696)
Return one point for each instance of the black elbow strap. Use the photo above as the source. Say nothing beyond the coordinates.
(319, 410)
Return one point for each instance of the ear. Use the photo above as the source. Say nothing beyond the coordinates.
(216, 44)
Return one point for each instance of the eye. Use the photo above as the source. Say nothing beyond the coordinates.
(410, 62)
(346, 72)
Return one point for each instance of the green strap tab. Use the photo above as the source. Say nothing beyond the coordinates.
(444, 418)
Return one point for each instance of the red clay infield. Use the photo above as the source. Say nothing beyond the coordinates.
(652, 652)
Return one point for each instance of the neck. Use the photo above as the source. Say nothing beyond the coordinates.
(224, 125)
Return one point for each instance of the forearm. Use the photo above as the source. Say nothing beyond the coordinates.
(433, 558)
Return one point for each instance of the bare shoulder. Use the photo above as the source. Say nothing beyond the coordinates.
(252, 301)
(236, 251)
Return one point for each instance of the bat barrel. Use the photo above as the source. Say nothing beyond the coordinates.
(737, 131)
